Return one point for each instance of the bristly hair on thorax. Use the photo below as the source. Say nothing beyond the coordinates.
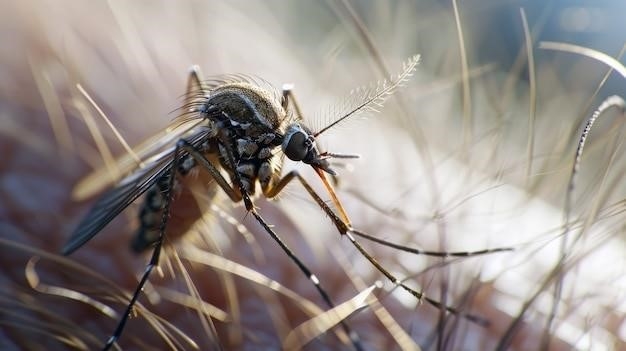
(197, 97)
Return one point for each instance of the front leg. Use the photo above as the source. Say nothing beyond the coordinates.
(235, 194)
(289, 99)
(343, 225)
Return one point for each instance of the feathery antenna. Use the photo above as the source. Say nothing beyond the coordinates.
(369, 98)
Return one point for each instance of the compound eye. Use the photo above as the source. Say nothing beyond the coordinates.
(296, 145)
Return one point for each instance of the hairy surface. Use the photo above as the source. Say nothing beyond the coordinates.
(437, 173)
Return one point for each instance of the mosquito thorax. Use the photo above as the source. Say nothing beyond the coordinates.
(248, 105)
(250, 121)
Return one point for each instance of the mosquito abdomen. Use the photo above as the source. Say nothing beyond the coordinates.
(193, 195)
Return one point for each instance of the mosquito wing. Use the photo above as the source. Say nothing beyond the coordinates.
(112, 202)
(104, 177)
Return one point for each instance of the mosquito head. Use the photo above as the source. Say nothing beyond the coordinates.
(299, 145)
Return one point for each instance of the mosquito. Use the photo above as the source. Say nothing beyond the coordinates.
(238, 130)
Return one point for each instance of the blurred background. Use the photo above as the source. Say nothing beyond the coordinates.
(474, 152)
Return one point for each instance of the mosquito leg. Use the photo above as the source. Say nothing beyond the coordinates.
(290, 99)
(156, 253)
(236, 196)
(195, 94)
(345, 227)
(194, 84)
(209, 167)
(342, 227)
(428, 253)
(354, 337)
(347, 230)
(181, 146)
